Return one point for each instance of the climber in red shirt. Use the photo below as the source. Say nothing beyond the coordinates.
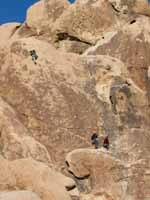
(106, 142)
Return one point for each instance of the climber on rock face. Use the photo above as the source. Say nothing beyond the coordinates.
(95, 140)
(106, 142)
(34, 56)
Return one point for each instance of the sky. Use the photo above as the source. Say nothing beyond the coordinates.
(15, 10)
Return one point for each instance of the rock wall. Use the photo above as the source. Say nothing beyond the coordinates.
(92, 74)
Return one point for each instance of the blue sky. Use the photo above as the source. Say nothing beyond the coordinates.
(14, 10)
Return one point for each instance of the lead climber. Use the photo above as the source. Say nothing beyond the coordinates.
(34, 56)
(106, 142)
(95, 140)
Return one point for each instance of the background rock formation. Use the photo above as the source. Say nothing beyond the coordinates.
(92, 75)
(16, 141)
(131, 6)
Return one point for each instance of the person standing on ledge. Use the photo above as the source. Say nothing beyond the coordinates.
(106, 143)
(95, 140)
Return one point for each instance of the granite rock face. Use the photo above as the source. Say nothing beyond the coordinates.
(7, 31)
(108, 177)
(49, 112)
(131, 6)
(48, 11)
(106, 174)
(91, 73)
(73, 27)
(15, 140)
(130, 44)
(17, 195)
(28, 174)
(85, 20)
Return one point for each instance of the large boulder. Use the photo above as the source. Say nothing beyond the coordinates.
(109, 178)
(85, 21)
(105, 172)
(62, 98)
(37, 22)
(28, 174)
(43, 95)
(107, 97)
(48, 12)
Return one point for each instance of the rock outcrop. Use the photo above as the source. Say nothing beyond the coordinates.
(132, 6)
(68, 26)
(50, 105)
(85, 20)
(7, 31)
(27, 174)
(48, 11)
(108, 177)
(17, 195)
(40, 21)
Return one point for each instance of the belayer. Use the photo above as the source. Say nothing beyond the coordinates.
(95, 141)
